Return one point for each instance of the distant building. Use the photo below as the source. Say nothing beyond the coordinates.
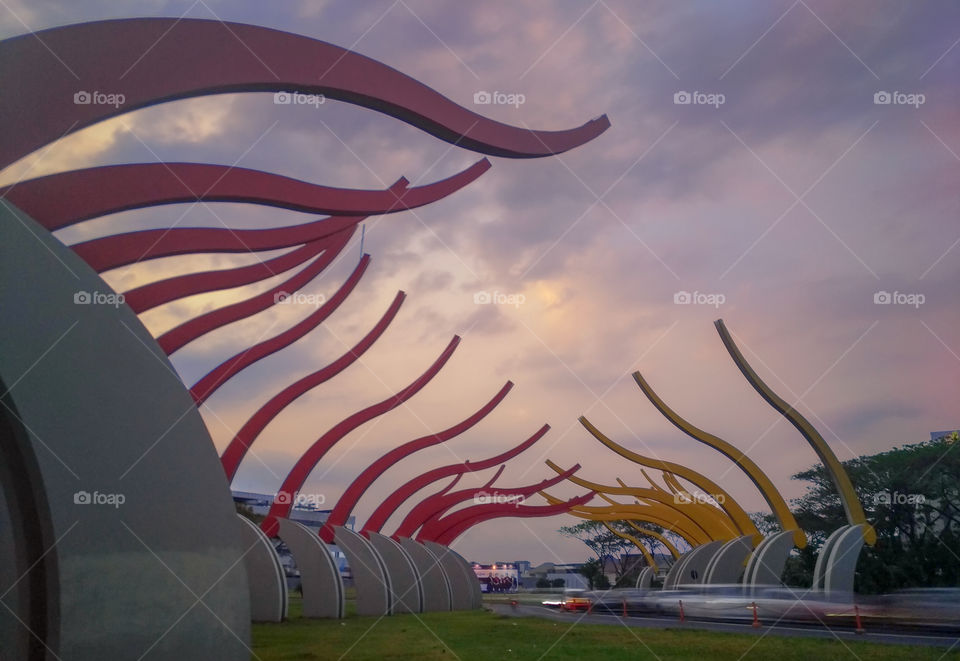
(934, 435)
(498, 577)
(568, 573)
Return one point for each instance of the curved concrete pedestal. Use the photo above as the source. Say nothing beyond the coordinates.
(691, 566)
(406, 591)
(319, 576)
(766, 563)
(94, 426)
(433, 579)
(837, 562)
(464, 585)
(370, 576)
(265, 575)
(726, 565)
(645, 577)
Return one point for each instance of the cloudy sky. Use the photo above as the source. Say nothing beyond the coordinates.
(783, 198)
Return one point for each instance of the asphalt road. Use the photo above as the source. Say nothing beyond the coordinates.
(931, 640)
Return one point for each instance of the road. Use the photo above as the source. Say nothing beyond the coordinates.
(899, 638)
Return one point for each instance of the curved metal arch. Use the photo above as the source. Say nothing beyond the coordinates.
(711, 520)
(763, 483)
(670, 546)
(244, 438)
(148, 296)
(848, 495)
(678, 525)
(176, 338)
(429, 526)
(308, 461)
(195, 57)
(636, 542)
(392, 502)
(352, 494)
(482, 513)
(66, 198)
(117, 250)
(206, 386)
(729, 505)
(421, 511)
(663, 517)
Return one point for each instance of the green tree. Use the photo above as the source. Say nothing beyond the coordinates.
(911, 495)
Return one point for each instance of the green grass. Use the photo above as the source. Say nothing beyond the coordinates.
(485, 635)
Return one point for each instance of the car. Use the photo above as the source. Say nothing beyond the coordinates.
(574, 599)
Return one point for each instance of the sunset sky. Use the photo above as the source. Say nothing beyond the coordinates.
(787, 196)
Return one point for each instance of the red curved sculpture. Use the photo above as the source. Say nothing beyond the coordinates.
(66, 198)
(380, 515)
(301, 470)
(232, 366)
(237, 448)
(152, 60)
(149, 296)
(188, 331)
(341, 511)
(434, 508)
(479, 513)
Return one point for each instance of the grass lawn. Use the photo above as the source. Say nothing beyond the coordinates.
(485, 635)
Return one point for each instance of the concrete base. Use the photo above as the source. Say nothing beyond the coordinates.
(464, 585)
(691, 567)
(766, 563)
(265, 575)
(370, 576)
(837, 562)
(645, 577)
(94, 426)
(407, 593)
(727, 563)
(433, 579)
(319, 575)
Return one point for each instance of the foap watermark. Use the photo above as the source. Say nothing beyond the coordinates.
(299, 298)
(301, 500)
(897, 498)
(97, 498)
(98, 298)
(485, 498)
(96, 98)
(495, 98)
(498, 298)
(699, 298)
(898, 298)
(298, 99)
(914, 99)
(696, 98)
(699, 498)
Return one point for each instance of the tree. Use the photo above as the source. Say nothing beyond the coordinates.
(558, 583)
(592, 570)
(543, 582)
(608, 546)
(911, 495)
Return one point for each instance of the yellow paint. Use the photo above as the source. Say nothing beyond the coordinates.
(848, 495)
(773, 497)
(636, 542)
(729, 505)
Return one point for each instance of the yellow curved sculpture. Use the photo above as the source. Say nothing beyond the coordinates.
(636, 542)
(678, 522)
(657, 536)
(773, 497)
(725, 500)
(711, 520)
(848, 495)
(655, 514)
